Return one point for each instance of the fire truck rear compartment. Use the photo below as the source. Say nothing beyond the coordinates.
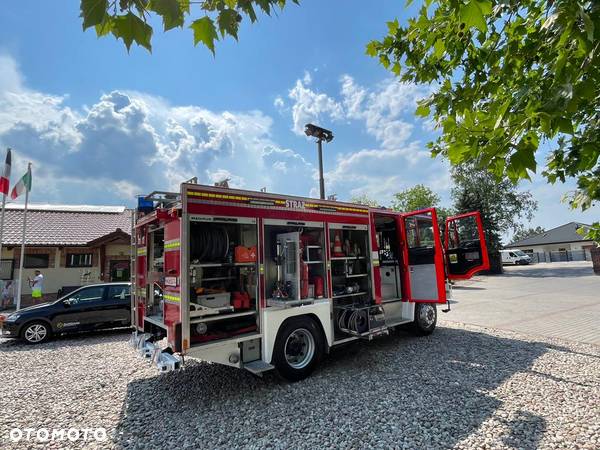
(223, 289)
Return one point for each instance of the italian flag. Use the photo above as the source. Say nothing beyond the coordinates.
(24, 184)
(5, 177)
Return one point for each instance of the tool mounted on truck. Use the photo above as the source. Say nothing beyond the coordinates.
(259, 281)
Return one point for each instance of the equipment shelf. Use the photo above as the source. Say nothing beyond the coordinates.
(289, 303)
(346, 258)
(201, 311)
(354, 294)
(221, 316)
(222, 264)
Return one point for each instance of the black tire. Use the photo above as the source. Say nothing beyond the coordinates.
(36, 332)
(297, 335)
(425, 319)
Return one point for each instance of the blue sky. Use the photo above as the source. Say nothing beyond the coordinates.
(101, 125)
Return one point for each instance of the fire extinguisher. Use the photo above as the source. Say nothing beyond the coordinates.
(303, 279)
(318, 281)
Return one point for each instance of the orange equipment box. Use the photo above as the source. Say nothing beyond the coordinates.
(245, 254)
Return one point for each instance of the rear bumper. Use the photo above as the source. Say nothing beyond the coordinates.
(163, 360)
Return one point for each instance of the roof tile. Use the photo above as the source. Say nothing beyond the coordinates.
(62, 227)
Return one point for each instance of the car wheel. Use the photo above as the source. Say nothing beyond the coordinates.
(425, 319)
(298, 348)
(36, 332)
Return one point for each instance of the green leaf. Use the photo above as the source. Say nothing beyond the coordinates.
(521, 161)
(205, 32)
(228, 22)
(102, 29)
(171, 12)
(131, 28)
(439, 48)
(589, 25)
(393, 26)
(265, 5)
(456, 153)
(248, 8)
(93, 12)
(485, 6)
(422, 111)
(372, 48)
(501, 113)
(472, 16)
(564, 125)
(231, 3)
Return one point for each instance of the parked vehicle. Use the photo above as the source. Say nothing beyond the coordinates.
(259, 281)
(515, 257)
(90, 307)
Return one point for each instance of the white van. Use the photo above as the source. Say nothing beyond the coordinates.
(515, 257)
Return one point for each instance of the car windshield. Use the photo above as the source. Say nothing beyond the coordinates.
(520, 253)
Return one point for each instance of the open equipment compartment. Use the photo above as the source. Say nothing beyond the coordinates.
(156, 276)
(223, 287)
(354, 311)
(390, 257)
(295, 262)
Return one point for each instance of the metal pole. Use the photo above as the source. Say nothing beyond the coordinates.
(321, 179)
(2, 227)
(19, 288)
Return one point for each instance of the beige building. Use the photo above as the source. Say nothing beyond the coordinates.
(562, 243)
(72, 245)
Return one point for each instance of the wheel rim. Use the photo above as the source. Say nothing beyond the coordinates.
(427, 315)
(36, 333)
(299, 348)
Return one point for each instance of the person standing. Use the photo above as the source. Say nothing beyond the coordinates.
(37, 286)
(7, 295)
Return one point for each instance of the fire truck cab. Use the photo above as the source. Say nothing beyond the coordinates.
(259, 281)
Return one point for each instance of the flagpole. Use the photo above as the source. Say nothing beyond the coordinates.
(2, 227)
(3, 208)
(19, 286)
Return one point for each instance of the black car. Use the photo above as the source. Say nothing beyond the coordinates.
(88, 308)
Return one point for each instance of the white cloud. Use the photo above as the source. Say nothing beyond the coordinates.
(385, 111)
(129, 142)
(279, 103)
(311, 106)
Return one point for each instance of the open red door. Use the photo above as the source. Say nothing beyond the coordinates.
(464, 243)
(422, 254)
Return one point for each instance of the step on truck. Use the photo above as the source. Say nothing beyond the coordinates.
(258, 281)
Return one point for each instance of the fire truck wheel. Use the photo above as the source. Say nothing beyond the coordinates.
(425, 318)
(298, 348)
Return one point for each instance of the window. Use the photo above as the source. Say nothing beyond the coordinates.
(120, 292)
(86, 295)
(6, 269)
(79, 260)
(419, 232)
(511, 254)
(41, 261)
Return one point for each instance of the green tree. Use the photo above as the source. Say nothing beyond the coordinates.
(419, 197)
(500, 203)
(507, 77)
(525, 233)
(364, 199)
(130, 20)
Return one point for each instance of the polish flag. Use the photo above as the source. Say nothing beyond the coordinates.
(5, 177)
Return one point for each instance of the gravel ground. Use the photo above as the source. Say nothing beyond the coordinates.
(462, 387)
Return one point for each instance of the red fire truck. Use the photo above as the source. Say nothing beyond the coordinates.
(259, 281)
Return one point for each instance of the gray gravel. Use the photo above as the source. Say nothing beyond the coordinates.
(462, 387)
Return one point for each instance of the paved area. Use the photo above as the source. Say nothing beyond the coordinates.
(463, 387)
(559, 300)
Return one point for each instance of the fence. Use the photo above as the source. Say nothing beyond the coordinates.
(556, 256)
